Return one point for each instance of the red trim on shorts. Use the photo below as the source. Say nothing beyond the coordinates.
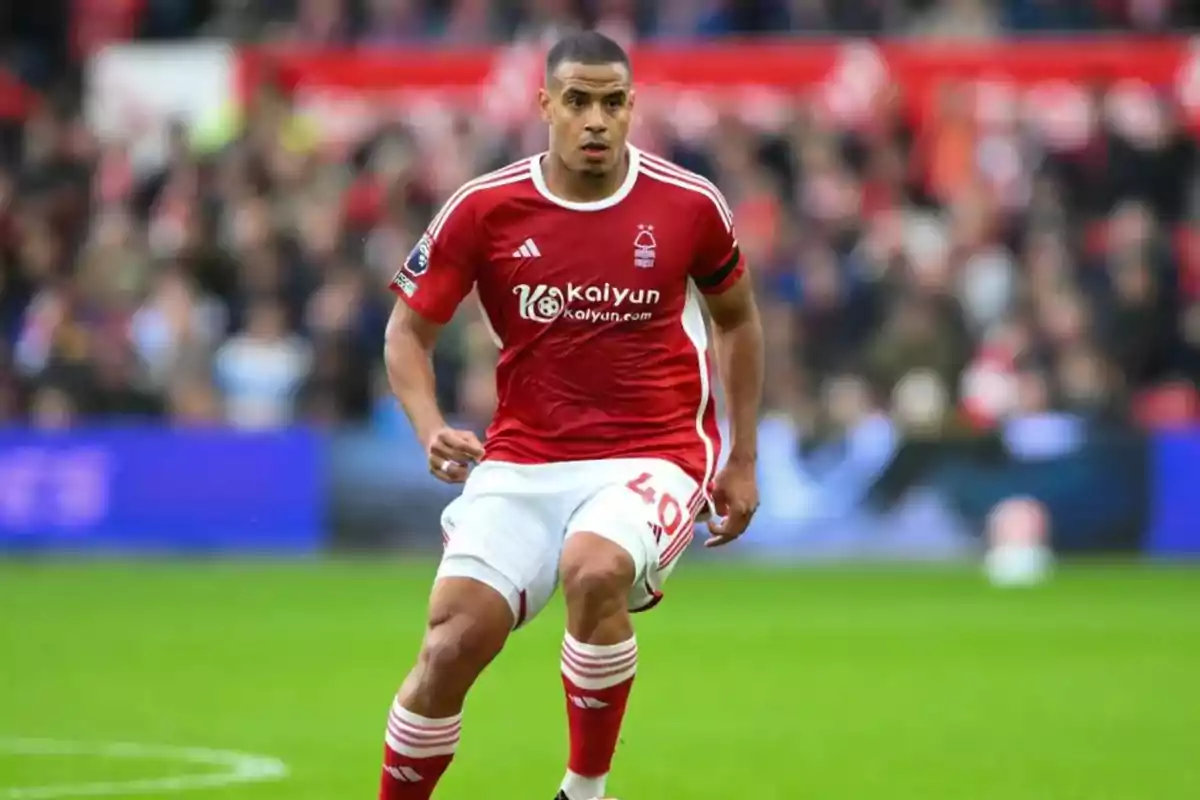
(684, 537)
(522, 608)
(655, 598)
(677, 547)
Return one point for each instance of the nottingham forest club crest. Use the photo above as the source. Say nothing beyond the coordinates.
(644, 247)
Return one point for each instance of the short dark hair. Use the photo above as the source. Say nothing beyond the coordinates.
(585, 47)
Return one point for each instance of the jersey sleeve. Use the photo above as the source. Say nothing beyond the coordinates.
(440, 270)
(719, 263)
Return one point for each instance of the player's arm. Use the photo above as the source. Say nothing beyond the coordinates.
(720, 274)
(738, 341)
(434, 279)
(408, 356)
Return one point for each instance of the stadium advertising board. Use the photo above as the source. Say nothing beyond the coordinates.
(1175, 521)
(1045, 82)
(161, 491)
(148, 490)
(903, 500)
(135, 92)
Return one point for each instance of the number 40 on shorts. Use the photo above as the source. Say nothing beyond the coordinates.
(670, 513)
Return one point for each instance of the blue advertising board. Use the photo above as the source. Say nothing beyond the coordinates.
(162, 491)
(1175, 522)
(154, 490)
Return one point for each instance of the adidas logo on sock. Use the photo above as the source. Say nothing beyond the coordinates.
(404, 774)
(587, 702)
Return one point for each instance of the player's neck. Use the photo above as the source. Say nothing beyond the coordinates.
(578, 187)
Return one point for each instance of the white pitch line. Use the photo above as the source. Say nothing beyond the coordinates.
(237, 768)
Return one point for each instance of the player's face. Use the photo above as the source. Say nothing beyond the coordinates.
(588, 108)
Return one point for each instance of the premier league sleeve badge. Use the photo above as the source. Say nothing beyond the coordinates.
(417, 263)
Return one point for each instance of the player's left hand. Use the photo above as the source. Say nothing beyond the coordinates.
(735, 499)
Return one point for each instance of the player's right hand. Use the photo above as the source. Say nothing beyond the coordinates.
(451, 452)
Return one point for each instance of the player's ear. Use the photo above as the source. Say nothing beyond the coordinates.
(632, 99)
(544, 100)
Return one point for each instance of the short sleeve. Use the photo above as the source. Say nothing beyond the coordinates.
(719, 263)
(440, 270)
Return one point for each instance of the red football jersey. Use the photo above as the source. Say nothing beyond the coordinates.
(595, 306)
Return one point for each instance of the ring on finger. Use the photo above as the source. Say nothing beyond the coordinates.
(446, 465)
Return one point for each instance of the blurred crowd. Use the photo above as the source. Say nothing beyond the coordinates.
(486, 21)
(950, 274)
(46, 33)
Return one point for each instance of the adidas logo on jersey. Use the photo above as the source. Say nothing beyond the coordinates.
(527, 250)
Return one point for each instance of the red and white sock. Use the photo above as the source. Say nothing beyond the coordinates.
(597, 679)
(418, 751)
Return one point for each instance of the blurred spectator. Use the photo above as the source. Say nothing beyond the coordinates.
(394, 22)
(52, 409)
(261, 370)
(194, 402)
(321, 23)
(470, 22)
(920, 334)
(1043, 15)
(960, 19)
(176, 330)
(544, 21)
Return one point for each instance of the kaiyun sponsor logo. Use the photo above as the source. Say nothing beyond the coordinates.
(584, 303)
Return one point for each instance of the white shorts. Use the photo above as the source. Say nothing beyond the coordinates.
(508, 527)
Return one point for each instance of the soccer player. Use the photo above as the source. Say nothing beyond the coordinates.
(593, 263)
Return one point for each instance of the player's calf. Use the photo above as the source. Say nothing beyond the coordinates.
(599, 657)
(468, 625)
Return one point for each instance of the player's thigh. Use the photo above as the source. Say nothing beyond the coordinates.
(504, 541)
(647, 507)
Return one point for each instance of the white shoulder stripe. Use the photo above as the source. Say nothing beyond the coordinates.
(671, 168)
(674, 180)
(457, 200)
(514, 173)
(513, 169)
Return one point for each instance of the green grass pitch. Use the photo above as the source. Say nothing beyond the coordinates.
(835, 683)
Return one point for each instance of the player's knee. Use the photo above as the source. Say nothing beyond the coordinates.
(461, 644)
(596, 575)
(469, 621)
